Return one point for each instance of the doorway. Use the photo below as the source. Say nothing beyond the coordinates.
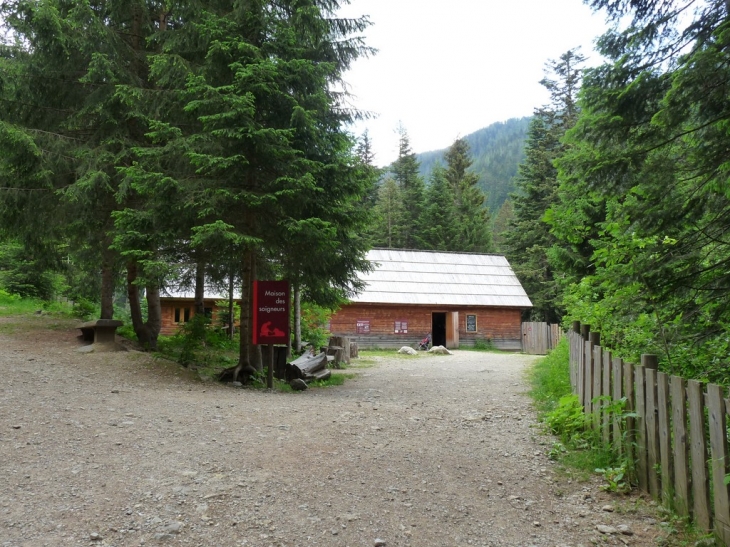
(438, 328)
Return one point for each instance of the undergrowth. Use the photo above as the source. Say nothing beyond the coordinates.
(581, 450)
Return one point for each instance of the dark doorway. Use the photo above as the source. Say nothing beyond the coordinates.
(438, 329)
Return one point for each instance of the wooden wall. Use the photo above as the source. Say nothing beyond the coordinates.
(169, 327)
(500, 325)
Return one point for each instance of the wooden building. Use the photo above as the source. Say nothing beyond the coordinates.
(178, 307)
(459, 298)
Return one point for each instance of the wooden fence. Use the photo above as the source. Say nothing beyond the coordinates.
(540, 338)
(679, 438)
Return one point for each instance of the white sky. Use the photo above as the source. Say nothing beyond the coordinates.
(446, 69)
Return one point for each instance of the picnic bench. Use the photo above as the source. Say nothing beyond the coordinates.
(100, 331)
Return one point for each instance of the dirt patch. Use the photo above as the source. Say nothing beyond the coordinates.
(122, 449)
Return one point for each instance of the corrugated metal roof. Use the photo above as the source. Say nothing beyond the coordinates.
(437, 278)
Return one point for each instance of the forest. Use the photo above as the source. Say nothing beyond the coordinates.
(206, 143)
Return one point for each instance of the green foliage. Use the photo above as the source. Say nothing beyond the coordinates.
(615, 479)
(643, 203)
(484, 345)
(550, 378)
(313, 321)
(528, 239)
(569, 422)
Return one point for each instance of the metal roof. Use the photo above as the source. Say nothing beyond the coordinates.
(438, 278)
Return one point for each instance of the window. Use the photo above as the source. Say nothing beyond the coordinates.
(182, 315)
(400, 327)
(471, 323)
(363, 326)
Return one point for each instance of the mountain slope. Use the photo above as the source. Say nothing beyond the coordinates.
(497, 150)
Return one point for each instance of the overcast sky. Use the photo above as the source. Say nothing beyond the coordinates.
(446, 69)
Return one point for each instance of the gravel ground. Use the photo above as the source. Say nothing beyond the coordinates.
(120, 449)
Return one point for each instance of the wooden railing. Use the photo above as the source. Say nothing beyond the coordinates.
(678, 439)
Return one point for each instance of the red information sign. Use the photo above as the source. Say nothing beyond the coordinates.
(270, 312)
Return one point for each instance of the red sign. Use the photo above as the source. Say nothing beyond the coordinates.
(270, 312)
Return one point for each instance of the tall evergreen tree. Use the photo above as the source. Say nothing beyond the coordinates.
(440, 225)
(645, 181)
(388, 216)
(473, 230)
(405, 173)
(528, 240)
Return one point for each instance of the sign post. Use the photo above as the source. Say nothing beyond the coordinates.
(270, 318)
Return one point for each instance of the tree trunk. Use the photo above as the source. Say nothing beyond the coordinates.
(107, 285)
(154, 315)
(244, 354)
(231, 319)
(135, 307)
(199, 303)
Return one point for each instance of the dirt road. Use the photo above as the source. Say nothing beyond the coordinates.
(124, 450)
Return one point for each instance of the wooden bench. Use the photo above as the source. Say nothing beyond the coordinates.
(101, 331)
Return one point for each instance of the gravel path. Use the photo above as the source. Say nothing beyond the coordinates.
(120, 449)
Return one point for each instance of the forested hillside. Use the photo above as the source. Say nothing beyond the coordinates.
(496, 151)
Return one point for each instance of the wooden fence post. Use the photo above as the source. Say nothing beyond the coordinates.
(650, 364)
(617, 373)
(630, 394)
(718, 444)
(698, 453)
(640, 456)
(681, 454)
(606, 392)
(665, 439)
(597, 379)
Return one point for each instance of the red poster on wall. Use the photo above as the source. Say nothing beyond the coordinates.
(270, 312)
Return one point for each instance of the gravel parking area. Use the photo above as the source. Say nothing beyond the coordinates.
(122, 449)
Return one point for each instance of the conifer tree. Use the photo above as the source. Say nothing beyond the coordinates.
(529, 240)
(440, 226)
(405, 173)
(472, 230)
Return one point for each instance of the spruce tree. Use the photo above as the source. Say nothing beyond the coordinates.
(405, 172)
(528, 240)
(473, 230)
(440, 226)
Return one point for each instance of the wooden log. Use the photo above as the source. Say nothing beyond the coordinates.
(323, 374)
(681, 452)
(665, 439)
(719, 451)
(698, 453)
(652, 433)
(305, 365)
(344, 343)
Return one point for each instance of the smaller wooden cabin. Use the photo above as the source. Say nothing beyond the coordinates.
(178, 307)
(460, 298)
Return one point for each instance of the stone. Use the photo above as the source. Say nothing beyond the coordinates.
(379, 542)
(608, 530)
(173, 528)
(94, 536)
(405, 350)
(625, 529)
(439, 350)
(297, 384)
(607, 508)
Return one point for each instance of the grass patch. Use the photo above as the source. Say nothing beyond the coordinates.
(549, 378)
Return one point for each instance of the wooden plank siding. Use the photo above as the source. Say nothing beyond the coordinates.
(680, 444)
(501, 326)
